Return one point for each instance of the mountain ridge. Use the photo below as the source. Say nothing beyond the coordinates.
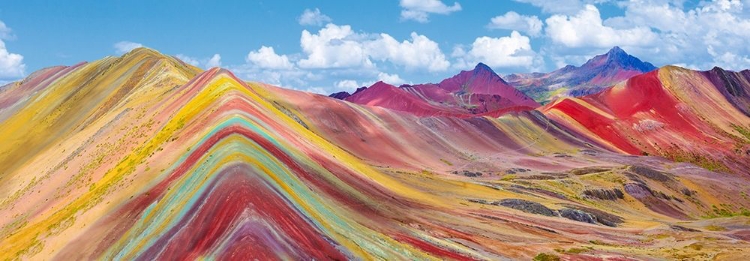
(473, 92)
(594, 75)
(599, 72)
(216, 167)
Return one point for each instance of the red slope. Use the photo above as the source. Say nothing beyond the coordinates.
(470, 93)
(388, 96)
(478, 91)
(672, 112)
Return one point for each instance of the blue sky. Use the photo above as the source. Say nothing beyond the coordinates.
(325, 46)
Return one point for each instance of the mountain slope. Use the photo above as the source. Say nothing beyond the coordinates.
(218, 168)
(108, 82)
(593, 76)
(672, 112)
(477, 92)
(388, 96)
(734, 86)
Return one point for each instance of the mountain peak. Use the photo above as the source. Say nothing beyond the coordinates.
(379, 83)
(618, 56)
(482, 67)
(481, 72)
(145, 52)
(616, 51)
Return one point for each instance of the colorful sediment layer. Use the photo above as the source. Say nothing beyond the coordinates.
(679, 114)
(144, 157)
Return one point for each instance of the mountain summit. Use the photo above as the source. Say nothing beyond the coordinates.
(616, 57)
(479, 91)
(597, 73)
(481, 67)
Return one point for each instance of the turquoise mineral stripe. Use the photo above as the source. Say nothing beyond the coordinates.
(273, 165)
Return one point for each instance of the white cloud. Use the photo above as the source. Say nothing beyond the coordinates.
(187, 59)
(292, 78)
(5, 32)
(336, 55)
(11, 64)
(660, 16)
(419, 10)
(318, 90)
(125, 46)
(392, 79)
(585, 29)
(567, 7)
(347, 85)
(264, 65)
(266, 58)
(214, 61)
(339, 47)
(514, 21)
(729, 60)
(421, 52)
(512, 51)
(557, 7)
(333, 47)
(713, 33)
(313, 18)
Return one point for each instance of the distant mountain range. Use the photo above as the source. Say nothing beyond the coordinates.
(593, 76)
(481, 90)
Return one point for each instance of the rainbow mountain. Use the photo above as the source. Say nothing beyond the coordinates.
(146, 157)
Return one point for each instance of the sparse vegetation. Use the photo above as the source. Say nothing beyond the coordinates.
(715, 228)
(546, 257)
(446, 162)
(723, 210)
(699, 160)
(574, 250)
(508, 177)
(741, 130)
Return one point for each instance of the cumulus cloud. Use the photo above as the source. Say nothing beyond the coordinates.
(318, 90)
(266, 58)
(213, 61)
(392, 79)
(333, 47)
(512, 51)
(567, 7)
(188, 59)
(514, 21)
(710, 33)
(11, 64)
(265, 65)
(293, 78)
(420, 10)
(5, 32)
(339, 47)
(586, 29)
(313, 18)
(420, 52)
(713, 33)
(347, 85)
(336, 54)
(125, 46)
